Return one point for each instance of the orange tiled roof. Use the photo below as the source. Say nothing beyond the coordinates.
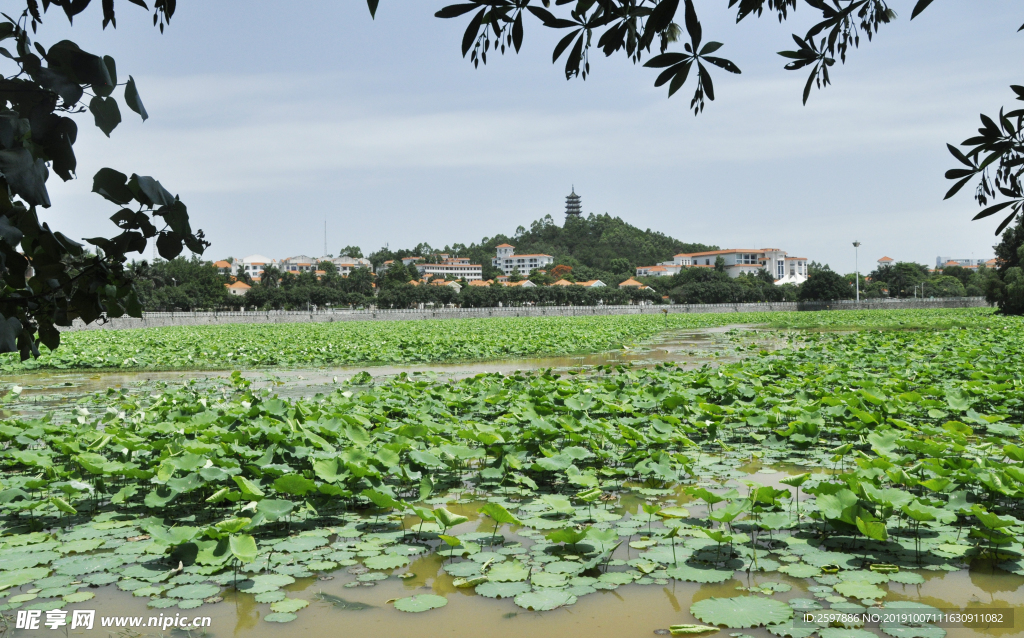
(563, 282)
(886, 259)
(504, 246)
(221, 264)
(631, 282)
(238, 285)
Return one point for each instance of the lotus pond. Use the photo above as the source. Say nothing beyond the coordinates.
(846, 471)
(234, 346)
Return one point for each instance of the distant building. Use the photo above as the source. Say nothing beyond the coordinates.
(661, 270)
(224, 267)
(633, 283)
(573, 205)
(253, 265)
(784, 269)
(298, 264)
(942, 262)
(238, 288)
(458, 267)
(508, 262)
(593, 283)
(885, 261)
(346, 264)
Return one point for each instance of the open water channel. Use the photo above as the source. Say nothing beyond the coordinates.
(345, 605)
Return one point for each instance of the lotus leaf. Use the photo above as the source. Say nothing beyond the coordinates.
(422, 602)
(742, 611)
(544, 599)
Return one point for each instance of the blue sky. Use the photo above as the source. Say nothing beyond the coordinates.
(267, 121)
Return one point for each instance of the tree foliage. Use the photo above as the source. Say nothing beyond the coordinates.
(48, 279)
(825, 285)
(593, 247)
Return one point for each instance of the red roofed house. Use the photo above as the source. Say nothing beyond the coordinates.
(238, 288)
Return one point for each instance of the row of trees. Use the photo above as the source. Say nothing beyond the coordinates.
(189, 284)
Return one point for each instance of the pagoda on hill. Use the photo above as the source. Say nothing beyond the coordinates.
(573, 205)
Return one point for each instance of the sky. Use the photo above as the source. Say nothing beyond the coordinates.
(269, 119)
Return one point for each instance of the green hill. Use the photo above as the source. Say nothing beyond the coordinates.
(596, 247)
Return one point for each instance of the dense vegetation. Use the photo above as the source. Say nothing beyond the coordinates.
(229, 346)
(540, 487)
(595, 247)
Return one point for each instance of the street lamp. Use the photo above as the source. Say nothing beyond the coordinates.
(856, 268)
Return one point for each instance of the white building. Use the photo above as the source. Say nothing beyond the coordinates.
(346, 264)
(298, 264)
(664, 269)
(508, 262)
(942, 262)
(784, 269)
(253, 265)
(458, 267)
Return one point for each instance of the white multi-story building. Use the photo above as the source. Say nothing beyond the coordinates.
(346, 264)
(508, 262)
(253, 265)
(784, 269)
(458, 267)
(942, 262)
(298, 264)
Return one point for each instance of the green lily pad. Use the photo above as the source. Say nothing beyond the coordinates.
(162, 603)
(280, 617)
(270, 596)
(502, 590)
(422, 602)
(616, 578)
(699, 574)
(194, 591)
(190, 603)
(289, 605)
(545, 579)
(513, 571)
(387, 561)
(860, 590)
(742, 611)
(544, 599)
(79, 597)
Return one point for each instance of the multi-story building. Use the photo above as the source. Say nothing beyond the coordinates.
(664, 269)
(784, 269)
(346, 264)
(253, 265)
(224, 267)
(942, 262)
(508, 262)
(298, 264)
(458, 267)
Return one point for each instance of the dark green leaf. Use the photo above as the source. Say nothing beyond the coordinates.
(106, 113)
(112, 185)
(132, 99)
